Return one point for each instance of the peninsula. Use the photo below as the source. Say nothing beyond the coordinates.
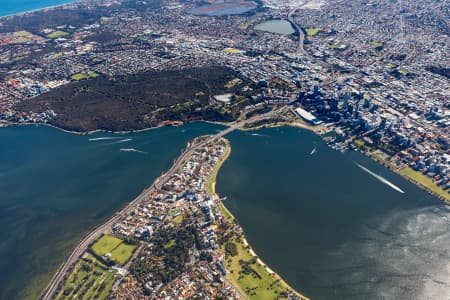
(175, 239)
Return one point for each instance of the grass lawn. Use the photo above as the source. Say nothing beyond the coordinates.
(106, 244)
(333, 46)
(226, 213)
(425, 181)
(97, 60)
(232, 83)
(361, 145)
(313, 31)
(264, 286)
(210, 185)
(170, 244)
(122, 253)
(178, 219)
(89, 279)
(376, 44)
(57, 34)
(232, 50)
(81, 76)
(391, 66)
(251, 277)
(22, 37)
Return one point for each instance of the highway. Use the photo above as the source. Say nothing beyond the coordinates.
(301, 33)
(105, 227)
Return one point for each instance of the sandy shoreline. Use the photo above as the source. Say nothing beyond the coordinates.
(245, 242)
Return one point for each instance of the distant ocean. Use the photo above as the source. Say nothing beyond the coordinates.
(10, 7)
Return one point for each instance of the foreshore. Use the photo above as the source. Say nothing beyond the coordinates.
(212, 189)
(387, 164)
(89, 132)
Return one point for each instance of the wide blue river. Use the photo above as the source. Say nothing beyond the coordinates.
(332, 230)
(56, 186)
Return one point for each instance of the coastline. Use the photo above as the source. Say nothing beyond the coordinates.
(24, 13)
(212, 189)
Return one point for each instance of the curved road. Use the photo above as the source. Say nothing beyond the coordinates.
(301, 33)
(99, 231)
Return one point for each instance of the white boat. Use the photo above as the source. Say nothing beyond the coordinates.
(313, 151)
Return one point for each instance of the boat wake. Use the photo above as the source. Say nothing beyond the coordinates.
(380, 178)
(121, 141)
(104, 138)
(257, 134)
(133, 150)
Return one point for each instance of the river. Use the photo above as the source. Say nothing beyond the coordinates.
(56, 186)
(327, 226)
(332, 230)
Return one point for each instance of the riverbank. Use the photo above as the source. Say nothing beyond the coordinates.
(92, 131)
(422, 181)
(211, 183)
(267, 280)
(316, 129)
